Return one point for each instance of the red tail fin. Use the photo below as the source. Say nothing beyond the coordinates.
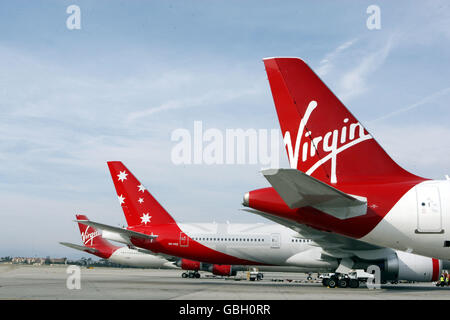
(322, 138)
(92, 238)
(139, 206)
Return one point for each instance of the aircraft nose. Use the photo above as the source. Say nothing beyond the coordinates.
(245, 200)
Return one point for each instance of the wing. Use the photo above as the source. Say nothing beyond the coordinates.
(158, 254)
(333, 245)
(125, 232)
(298, 190)
(81, 248)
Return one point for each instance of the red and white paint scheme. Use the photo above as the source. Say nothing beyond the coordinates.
(225, 248)
(152, 228)
(94, 243)
(341, 182)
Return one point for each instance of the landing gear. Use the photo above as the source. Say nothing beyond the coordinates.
(333, 280)
(343, 283)
(354, 283)
(190, 274)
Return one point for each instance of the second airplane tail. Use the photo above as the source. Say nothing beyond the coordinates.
(138, 205)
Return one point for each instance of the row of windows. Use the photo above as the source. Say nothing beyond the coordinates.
(229, 239)
(131, 252)
(242, 239)
(300, 240)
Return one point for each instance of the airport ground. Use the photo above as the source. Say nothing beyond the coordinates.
(49, 283)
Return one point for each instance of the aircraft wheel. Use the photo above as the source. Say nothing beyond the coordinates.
(353, 283)
(332, 282)
(191, 274)
(184, 275)
(343, 283)
(197, 275)
(325, 282)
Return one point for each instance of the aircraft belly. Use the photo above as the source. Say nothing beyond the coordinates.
(138, 260)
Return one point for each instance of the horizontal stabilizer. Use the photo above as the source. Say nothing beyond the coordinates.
(78, 247)
(299, 190)
(125, 232)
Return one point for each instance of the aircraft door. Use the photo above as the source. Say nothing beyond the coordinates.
(184, 240)
(275, 240)
(429, 211)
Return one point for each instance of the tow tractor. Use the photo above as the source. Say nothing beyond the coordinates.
(254, 274)
(353, 279)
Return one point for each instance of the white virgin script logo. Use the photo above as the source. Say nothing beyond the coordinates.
(329, 143)
(86, 237)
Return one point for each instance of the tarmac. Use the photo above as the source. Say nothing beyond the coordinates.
(54, 283)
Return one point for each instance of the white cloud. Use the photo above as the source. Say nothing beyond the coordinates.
(418, 148)
(354, 82)
(427, 99)
(327, 63)
(204, 99)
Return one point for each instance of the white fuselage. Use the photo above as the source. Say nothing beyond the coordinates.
(135, 258)
(418, 223)
(268, 244)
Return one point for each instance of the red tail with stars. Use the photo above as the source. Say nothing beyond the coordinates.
(138, 205)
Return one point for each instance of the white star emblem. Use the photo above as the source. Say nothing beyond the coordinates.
(145, 218)
(141, 188)
(122, 175)
(141, 200)
(121, 199)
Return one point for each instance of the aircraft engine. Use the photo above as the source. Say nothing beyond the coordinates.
(186, 264)
(411, 267)
(223, 270)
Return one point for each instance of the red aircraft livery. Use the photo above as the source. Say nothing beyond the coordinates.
(224, 249)
(341, 180)
(145, 215)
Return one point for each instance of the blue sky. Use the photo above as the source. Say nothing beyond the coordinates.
(71, 100)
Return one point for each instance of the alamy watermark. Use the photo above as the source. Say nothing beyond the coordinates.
(73, 22)
(231, 146)
(374, 20)
(73, 281)
(375, 282)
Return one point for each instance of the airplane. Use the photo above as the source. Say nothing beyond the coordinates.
(95, 244)
(225, 246)
(342, 188)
